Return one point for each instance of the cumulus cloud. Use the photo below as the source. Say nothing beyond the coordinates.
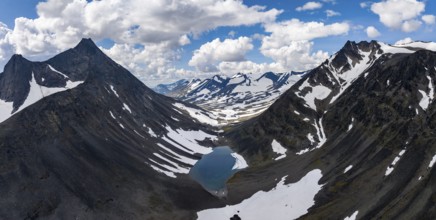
(372, 32)
(212, 53)
(61, 24)
(331, 13)
(309, 6)
(404, 41)
(429, 19)
(290, 42)
(411, 25)
(399, 14)
(297, 55)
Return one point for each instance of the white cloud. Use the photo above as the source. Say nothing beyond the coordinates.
(309, 6)
(331, 13)
(429, 19)
(364, 4)
(290, 45)
(399, 14)
(404, 41)
(372, 32)
(411, 25)
(210, 54)
(285, 32)
(5, 48)
(140, 24)
(296, 55)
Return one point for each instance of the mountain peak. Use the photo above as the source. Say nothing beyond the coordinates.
(15, 62)
(86, 45)
(17, 59)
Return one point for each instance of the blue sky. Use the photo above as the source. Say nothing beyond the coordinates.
(165, 40)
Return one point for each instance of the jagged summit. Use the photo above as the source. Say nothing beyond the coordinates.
(86, 43)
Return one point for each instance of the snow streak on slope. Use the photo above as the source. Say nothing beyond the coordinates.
(347, 78)
(348, 168)
(391, 167)
(432, 162)
(427, 98)
(322, 138)
(284, 202)
(174, 155)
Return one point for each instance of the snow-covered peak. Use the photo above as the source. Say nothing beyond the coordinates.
(418, 45)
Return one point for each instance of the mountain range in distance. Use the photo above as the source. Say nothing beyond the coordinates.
(232, 99)
(82, 138)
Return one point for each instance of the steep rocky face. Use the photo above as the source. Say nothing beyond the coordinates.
(366, 118)
(109, 148)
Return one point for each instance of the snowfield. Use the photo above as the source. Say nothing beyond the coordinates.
(290, 201)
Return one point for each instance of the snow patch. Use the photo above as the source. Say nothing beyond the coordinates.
(58, 72)
(112, 115)
(348, 168)
(170, 174)
(126, 108)
(351, 125)
(240, 162)
(289, 201)
(425, 100)
(113, 90)
(353, 216)
(391, 167)
(279, 149)
(432, 162)
(189, 140)
(318, 92)
(151, 132)
(121, 125)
